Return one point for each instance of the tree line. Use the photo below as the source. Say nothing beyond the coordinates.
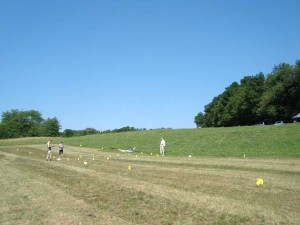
(89, 131)
(256, 99)
(17, 123)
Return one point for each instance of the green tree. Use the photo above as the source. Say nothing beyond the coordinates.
(50, 127)
(68, 133)
(280, 99)
(229, 103)
(3, 131)
(251, 89)
(90, 131)
(199, 119)
(255, 99)
(222, 110)
(21, 123)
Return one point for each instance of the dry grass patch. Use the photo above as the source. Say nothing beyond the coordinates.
(171, 190)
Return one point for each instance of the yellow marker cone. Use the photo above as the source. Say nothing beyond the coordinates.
(85, 163)
(244, 155)
(107, 158)
(151, 153)
(259, 181)
(129, 167)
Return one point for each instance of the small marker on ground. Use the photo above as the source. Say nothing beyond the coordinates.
(259, 181)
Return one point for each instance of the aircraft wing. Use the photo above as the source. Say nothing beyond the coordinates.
(127, 150)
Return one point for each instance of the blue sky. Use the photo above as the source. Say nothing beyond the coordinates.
(148, 64)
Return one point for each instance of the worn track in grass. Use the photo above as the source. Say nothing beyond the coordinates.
(170, 190)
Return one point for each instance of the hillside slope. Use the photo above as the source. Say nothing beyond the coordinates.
(253, 141)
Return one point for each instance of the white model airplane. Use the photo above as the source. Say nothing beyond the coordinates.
(127, 150)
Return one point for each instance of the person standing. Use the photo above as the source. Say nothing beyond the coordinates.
(162, 146)
(61, 150)
(49, 155)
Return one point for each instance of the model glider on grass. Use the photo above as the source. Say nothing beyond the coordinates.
(127, 150)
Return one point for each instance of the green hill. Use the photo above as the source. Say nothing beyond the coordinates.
(253, 141)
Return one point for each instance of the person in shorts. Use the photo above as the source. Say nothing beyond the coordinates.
(61, 150)
(49, 154)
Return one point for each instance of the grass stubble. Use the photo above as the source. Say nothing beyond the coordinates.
(170, 190)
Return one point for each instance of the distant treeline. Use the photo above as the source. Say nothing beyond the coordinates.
(256, 99)
(16, 123)
(89, 131)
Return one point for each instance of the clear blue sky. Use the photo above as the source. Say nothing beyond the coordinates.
(148, 64)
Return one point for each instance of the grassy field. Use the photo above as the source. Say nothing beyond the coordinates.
(254, 141)
(92, 185)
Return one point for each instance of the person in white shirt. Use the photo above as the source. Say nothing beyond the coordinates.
(61, 150)
(49, 155)
(162, 146)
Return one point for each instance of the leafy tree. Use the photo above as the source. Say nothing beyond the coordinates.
(124, 129)
(222, 110)
(209, 119)
(199, 119)
(251, 89)
(229, 103)
(69, 133)
(282, 91)
(257, 98)
(50, 127)
(87, 131)
(3, 131)
(90, 131)
(21, 123)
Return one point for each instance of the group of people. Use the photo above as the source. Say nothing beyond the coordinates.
(60, 152)
(61, 149)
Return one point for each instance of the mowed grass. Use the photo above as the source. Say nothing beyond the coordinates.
(157, 190)
(216, 185)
